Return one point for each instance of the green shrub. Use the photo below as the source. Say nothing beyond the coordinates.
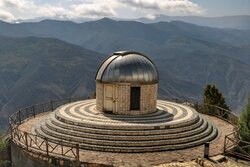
(245, 123)
(5, 163)
(4, 143)
(214, 97)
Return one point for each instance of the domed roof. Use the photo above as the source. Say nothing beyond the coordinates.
(127, 67)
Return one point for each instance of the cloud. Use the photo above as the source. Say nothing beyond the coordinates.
(151, 17)
(10, 3)
(28, 9)
(97, 9)
(52, 11)
(166, 6)
(12, 10)
(6, 16)
(17, 4)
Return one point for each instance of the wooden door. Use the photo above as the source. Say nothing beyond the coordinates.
(110, 100)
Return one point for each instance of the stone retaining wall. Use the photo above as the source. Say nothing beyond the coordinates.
(22, 158)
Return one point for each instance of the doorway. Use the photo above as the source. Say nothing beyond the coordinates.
(110, 102)
(135, 96)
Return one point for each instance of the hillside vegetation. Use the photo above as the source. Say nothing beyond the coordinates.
(34, 70)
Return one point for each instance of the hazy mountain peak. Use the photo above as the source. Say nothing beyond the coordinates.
(106, 19)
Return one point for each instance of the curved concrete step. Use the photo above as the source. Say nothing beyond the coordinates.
(171, 116)
(100, 130)
(145, 135)
(173, 126)
(76, 111)
(125, 126)
(133, 143)
(128, 149)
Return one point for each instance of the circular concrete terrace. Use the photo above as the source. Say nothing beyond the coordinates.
(176, 128)
(173, 126)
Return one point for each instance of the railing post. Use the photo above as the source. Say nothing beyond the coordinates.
(11, 133)
(197, 106)
(224, 152)
(26, 139)
(61, 147)
(10, 126)
(19, 117)
(77, 153)
(47, 146)
(43, 107)
(51, 105)
(33, 110)
(26, 111)
(206, 150)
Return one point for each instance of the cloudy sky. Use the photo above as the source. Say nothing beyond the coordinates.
(16, 10)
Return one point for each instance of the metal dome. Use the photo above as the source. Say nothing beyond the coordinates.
(127, 67)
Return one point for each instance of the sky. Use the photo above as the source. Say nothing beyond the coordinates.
(77, 10)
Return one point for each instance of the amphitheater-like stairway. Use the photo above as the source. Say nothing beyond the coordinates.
(172, 126)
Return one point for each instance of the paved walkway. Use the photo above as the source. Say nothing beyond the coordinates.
(182, 164)
(227, 163)
(149, 159)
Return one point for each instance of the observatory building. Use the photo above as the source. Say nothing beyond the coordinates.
(125, 118)
(126, 84)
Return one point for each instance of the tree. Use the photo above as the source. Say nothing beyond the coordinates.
(4, 150)
(212, 96)
(214, 101)
(245, 123)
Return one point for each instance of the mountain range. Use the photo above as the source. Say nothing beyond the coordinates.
(233, 22)
(56, 59)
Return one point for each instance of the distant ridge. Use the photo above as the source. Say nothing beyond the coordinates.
(241, 22)
(233, 22)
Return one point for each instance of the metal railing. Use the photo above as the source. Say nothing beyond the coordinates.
(33, 110)
(233, 145)
(236, 147)
(35, 143)
(217, 111)
(205, 108)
